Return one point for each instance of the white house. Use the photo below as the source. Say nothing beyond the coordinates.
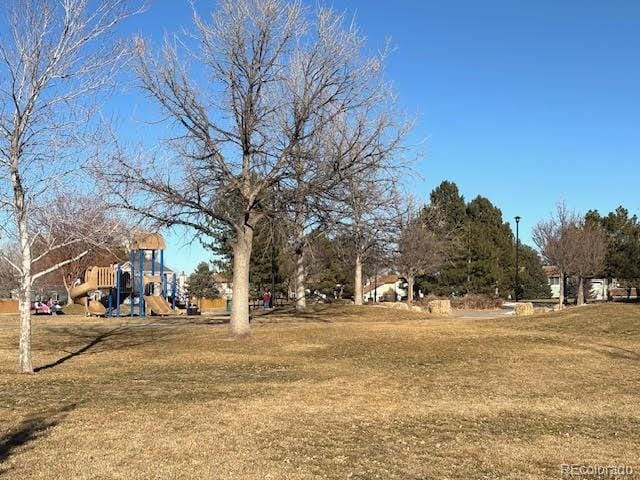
(223, 284)
(599, 286)
(385, 288)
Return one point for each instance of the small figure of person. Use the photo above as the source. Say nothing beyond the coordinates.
(52, 308)
(266, 300)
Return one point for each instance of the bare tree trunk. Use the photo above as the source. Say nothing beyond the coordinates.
(301, 291)
(561, 299)
(241, 261)
(580, 299)
(67, 288)
(357, 284)
(25, 363)
(410, 282)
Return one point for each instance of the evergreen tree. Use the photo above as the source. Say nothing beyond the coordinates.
(623, 253)
(448, 207)
(481, 258)
(202, 283)
(450, 204)
(265, 237)
(532, 279)
(492, 249)
(329, 266)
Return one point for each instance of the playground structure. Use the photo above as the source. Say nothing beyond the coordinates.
(145, 289)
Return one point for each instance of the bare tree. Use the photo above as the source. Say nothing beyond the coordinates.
(274, 79)
(368, 219)
(81, 228)
(54, 57)
(554, 239)
(589, 245)
(422, 249)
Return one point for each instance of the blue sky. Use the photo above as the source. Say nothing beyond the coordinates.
(526, 103)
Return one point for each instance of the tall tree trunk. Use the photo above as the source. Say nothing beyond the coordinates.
(357, 283)
(301, 291)
(580, 300)
(67, 288)
(25, 363)
(410, 282)
(241, 265)
(561, 297)
(22, 218)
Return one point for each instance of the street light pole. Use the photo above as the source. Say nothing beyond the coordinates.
(517, 287)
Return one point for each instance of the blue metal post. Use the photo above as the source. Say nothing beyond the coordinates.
(174, 291)
(110, 304)
(132, 280)
(118, 273)
(141, 291)
(163, 284)
(153, 270)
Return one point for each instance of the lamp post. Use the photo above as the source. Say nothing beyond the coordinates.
(517, 257)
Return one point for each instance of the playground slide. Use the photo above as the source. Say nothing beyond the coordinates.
(80, 292)
(77, 293)
(159, 306)
(96, 308)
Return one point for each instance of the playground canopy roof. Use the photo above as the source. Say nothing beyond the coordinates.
(148, 241)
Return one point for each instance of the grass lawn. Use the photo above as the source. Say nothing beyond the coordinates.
(343, 392)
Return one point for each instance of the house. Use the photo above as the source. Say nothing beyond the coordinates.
(385, 288)
(599, 287)
(224, 284)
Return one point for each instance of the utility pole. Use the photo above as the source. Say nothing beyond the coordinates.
(517, 286)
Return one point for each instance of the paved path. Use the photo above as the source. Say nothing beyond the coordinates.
(505, 311)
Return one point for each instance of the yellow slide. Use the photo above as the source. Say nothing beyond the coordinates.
(159, 306)
(96, 308)
(94, 278)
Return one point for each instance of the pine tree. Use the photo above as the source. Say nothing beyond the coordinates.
(202, 283)
(481, 259)
(623, 252)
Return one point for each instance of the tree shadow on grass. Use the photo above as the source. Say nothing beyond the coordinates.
(31, 429)
(314, 313)
(123, 336)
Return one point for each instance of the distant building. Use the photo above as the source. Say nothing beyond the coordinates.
(385, 288)
(224, 284)
(599, 290)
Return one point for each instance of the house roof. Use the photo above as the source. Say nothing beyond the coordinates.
(551, 271)
(381, 281)
(221, 278)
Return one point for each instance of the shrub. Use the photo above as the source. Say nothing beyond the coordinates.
(468, 302)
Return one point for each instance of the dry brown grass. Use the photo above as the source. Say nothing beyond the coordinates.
(342, 392)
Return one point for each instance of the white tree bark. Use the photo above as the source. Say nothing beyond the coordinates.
(580, 299)
(357, 281)
(241, 265)
(24, 349)
(561, 290)
(410, 282)
(301, 291)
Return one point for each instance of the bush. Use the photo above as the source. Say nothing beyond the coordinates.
(468, 302)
